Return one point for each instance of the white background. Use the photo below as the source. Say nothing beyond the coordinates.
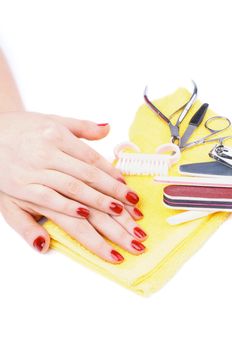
(92, 59)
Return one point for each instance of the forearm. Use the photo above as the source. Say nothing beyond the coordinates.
(10, 99)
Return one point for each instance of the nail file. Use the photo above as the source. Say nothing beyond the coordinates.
(197, 197)
(189, 215)
(223, 181)
(194, 123)
(214, 169)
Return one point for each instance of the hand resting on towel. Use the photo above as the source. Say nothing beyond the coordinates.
(46, 169)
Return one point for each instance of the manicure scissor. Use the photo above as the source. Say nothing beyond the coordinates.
(213, 131)
(174, 128)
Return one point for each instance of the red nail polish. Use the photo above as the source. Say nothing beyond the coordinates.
(132, 197)
(117, 208)
(116, 255)
(83, 212)
(103, 124)
(39, 243)
(137, 245)
(139, 232)
(121, 180)
(138, 212)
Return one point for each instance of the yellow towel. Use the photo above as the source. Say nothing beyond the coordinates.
(168, 247)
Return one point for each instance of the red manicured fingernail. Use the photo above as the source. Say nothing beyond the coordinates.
(39, 243)
(83, 212)
(139, 232)
(137, 245)
(116, 255)
(117, 208)
(138, 212)
(103, 124)
(121, 180)
(132, 197)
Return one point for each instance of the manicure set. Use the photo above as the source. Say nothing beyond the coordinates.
(163, 168)
(202, 188)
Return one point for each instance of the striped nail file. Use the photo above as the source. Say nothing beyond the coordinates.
(198, 197)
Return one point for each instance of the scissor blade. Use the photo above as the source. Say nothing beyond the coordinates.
(188, 132)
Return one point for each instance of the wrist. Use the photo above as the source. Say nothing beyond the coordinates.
(10, 99)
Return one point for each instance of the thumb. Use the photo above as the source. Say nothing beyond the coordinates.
(84, 128)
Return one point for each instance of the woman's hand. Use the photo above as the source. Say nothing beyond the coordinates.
(46, 170)
(43, 161)
(122, 230)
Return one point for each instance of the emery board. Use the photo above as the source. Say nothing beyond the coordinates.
(205, 169)
(198, 197)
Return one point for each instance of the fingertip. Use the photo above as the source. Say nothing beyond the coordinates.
(132, 197)
(116, 256)
(138, 213)
(116, 207)
(83, 212)
(139, 233)
(103, 128)
(41, 243)
(103, 124)
(95, 131)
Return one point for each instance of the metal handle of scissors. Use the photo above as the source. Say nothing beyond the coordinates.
(216, 131)
(212, 131)
(174, 128)
(188, 105)
(222, 139)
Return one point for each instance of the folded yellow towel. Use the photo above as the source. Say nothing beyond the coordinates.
(168, 247)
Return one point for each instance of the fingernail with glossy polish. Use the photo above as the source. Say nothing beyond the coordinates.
(83, 212)
(116, 207)
(132, 197)
(138, 212)
(139, 232)
(39, 243)
(137, 245)
(116, 256)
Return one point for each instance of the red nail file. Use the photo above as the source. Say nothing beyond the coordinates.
(198, 197)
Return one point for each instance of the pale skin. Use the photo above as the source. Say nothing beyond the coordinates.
(46, 169)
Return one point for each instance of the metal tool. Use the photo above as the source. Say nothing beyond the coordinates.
(174, 128)
(213, 131)
(194, 123)
(222, 154)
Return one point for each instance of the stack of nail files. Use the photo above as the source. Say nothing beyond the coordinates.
(168, 247)
(198, 197)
